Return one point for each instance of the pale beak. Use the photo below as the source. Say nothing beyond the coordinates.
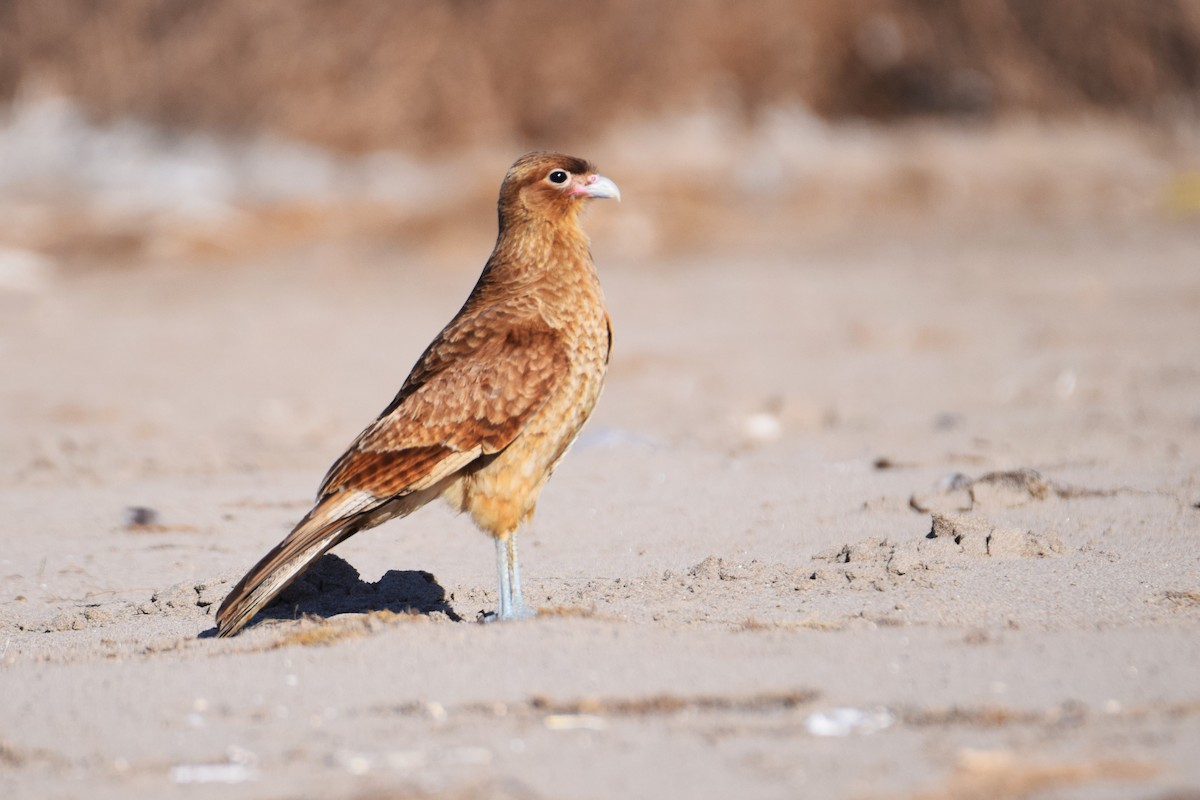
(597, 187)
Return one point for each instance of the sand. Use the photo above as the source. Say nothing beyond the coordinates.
(887, 517)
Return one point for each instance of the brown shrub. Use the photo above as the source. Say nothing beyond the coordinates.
(363, 74)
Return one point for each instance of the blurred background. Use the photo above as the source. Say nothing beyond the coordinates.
(167, 129)
(203, 202)
(867, 250)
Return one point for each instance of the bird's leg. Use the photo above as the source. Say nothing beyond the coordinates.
(517, 605)
(511, 605)
(504, 595)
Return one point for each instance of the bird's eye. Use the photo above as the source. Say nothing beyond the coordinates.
(558, 177)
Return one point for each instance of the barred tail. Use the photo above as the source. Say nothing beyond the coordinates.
(321, 529)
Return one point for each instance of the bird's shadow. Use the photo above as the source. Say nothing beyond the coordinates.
(332, 586)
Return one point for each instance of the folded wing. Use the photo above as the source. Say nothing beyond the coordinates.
(470, 395)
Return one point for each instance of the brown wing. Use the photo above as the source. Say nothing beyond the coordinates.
(470, 395)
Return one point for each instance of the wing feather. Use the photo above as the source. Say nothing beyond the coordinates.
(470, 395)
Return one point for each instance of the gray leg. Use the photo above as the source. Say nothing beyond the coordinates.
(510, 605)
(504, 595)
(519, 609)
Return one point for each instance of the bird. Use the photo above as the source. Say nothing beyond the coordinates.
(491, 406)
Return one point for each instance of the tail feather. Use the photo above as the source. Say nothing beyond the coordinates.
(321, 529)
(335, 518)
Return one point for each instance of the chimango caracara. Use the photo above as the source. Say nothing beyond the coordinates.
(490, 407)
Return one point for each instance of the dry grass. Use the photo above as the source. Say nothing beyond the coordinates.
(542, 706)
(1183, 599)
(670, 704)
(154, 528)
(572, 612)
(995, 775)
(314, 632)
(809, 624)
(365, 74)
(979, 717)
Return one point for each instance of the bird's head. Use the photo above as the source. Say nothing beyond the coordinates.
(551, 187)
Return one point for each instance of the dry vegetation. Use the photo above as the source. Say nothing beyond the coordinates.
(365, 74)
(417, 105)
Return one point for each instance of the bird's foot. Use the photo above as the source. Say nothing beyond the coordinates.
(522, 612)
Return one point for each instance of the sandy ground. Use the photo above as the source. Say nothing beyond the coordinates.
(898, 517)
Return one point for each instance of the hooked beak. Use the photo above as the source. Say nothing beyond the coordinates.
(596, 187)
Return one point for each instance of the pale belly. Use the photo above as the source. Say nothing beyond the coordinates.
(503, 494)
